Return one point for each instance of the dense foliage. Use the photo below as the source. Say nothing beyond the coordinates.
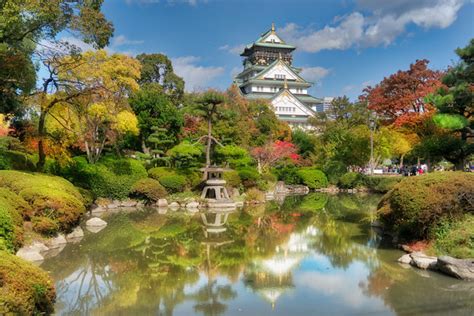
(24, 288)
(417, 205)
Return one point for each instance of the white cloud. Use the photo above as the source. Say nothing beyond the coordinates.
(121, 40)
(385, 21)
(314, 74)
(236, 50)
(196, 77)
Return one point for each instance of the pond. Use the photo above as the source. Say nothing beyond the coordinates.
(305, 255)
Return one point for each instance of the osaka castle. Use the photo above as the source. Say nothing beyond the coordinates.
(269, 74)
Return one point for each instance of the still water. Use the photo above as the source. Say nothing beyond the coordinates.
(307, 255)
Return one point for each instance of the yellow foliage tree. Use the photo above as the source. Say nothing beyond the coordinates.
(101, 114)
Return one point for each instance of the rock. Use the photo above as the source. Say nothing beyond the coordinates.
(96, 222)
(162, 203)
(422, 261)
(174, 205)
(75, 234)
(162, 210)
(38, 246)
(94, 229)
(114, 204)
(56, 242)
(406, 259)
(28, 254)
(128, 203)
(459, 268)
(239, 204)
(406, 248)
(192, 205)
(98, 210)
(139, 204)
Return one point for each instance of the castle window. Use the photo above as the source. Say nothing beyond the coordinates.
(279, 76)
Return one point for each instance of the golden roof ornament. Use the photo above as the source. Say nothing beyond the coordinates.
(285, 84)
(273, 27)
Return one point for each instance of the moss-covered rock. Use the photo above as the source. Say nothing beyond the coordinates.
(24, 288)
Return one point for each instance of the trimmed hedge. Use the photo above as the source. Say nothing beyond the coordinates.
(417, 205)
(24, 288)
(108, 178)
(148, 189)
(173, 183)
(44, 198)
(12, 159)
(313, 178)
(381, 184)
(351, 180)
(249, 176)
(158, 172)
(232, 178)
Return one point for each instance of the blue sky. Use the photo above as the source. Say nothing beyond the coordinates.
(342, 45)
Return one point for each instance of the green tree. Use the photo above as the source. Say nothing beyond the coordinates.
(455, 104)
(158, 69)
(155, 109)
(25, 23)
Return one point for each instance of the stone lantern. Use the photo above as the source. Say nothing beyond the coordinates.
(215, 192)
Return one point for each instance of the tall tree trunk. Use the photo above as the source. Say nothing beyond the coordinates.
(209, 141)
(41, 135)
(400, 166)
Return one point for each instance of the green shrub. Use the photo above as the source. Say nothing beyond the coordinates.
(313, 178)
(11, 223)
(58, 206)
(24, 288)
(158, 172)
(173, 183)
(45, 225)
(416, 205)
(7, 232)
(185, 154)
(39, 195)
(455, 238)
(287, 173)
(232, 178)
(12, 159)
(381, 184)
(334, 170)
(351, 180)
(148, 189)
(233, 155)
(248, 176)
(110, 179)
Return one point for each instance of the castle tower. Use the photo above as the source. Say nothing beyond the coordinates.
(269, 74)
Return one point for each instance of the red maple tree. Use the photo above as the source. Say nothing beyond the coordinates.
(399, 99)
(271, 153)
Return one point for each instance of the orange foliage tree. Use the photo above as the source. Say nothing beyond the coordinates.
(400, 98)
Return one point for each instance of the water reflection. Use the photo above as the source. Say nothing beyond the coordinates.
(305, 254)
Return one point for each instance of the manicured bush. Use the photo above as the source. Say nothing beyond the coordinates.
(173, 183)
(334, 170)
(34, 195)
(232, 178)
(148, 189)
(110, 179)
(313, 178)
(158, 172)
(233, 155)
(351, 180)
(24, 288)
(248, 176)
(417, 205)
(11, 222)
(12, 159)
(287, 173)
(381, 184)
(7, 232)
(185, 154)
